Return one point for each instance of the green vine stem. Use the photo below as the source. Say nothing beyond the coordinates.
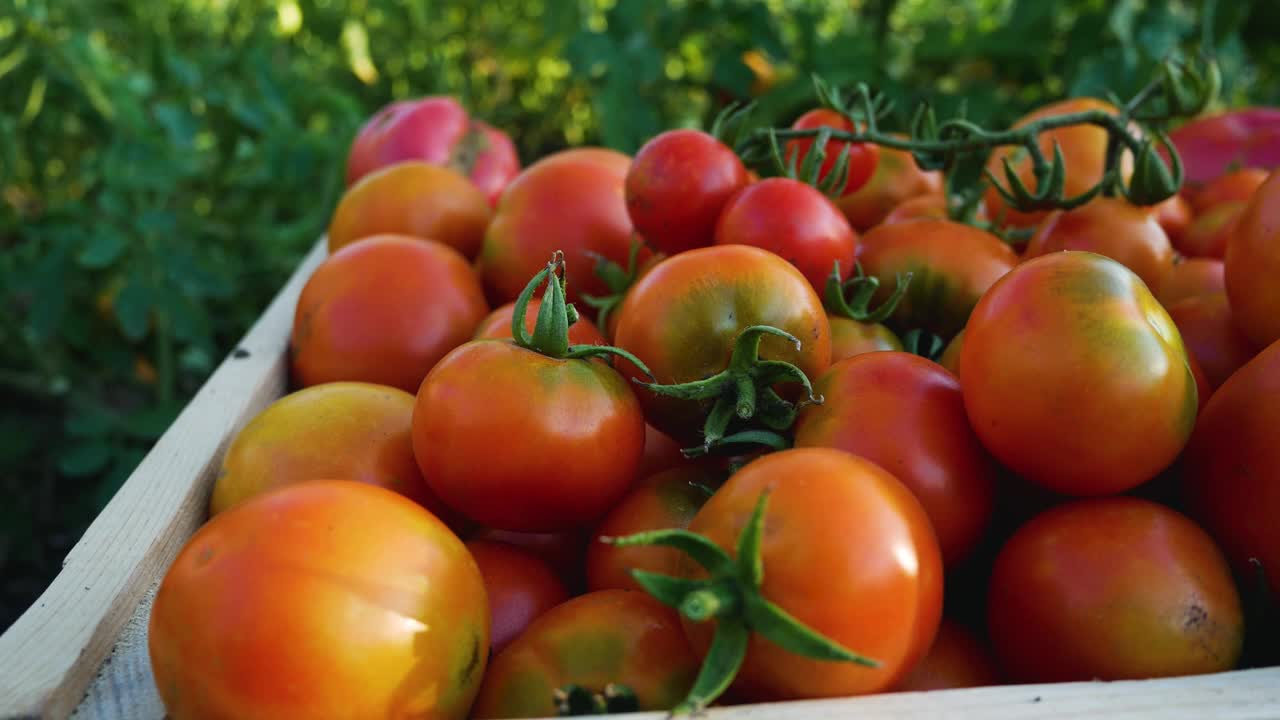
(731, 595)
(550, 334)
(617, 279)
(852, 298)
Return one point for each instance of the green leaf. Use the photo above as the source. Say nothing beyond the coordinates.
(133, 309)
(85, 459)
(104, 246)
(151, 423)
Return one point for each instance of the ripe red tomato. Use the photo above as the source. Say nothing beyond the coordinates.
(1233, 187)
(618, 640)
(1253, 263)
(384, 310)
(660, 453)
(958, 659)
(677, 185)
(1112, 589)
(318, 596)
(563, 552)
(668, 499)
(863, 157)
(497, 325)
(519, 586)
(950, 357)
(1075, 377)
(792, 220)
(1208, 234)
(952, 265)
(1174, 215)
(1232, 463)
(1210, 336)
(906, 414)
(896, 178)
(850, 337)
(1192, 277)
(416, 199)
(1212, 145)
(1112, 227)
(682, 318)
(570, 201)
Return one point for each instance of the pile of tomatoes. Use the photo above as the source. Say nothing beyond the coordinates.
(560, 434)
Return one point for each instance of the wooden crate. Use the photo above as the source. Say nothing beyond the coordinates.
(80, 651)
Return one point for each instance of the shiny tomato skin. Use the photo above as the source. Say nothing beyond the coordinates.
(354, 431)
(958, 659)
(1233, 187)
(793, 220)
(572, 435)
(1112, 227)
(1112, 589)
(570, 201)
(519, 586)
(1211, 336)
(896, 178)
(384, 311)
(682, 318)
(863, 157)
(850, 337)
(1252, 265)
(608, 637)
(317, 596)
(412, 198)
(497, 325)
(677, 185)
(1208, 234)
(1075, 378)
(1232, 463)
(906, 414)
(952, 264)
(1190, 278)
(883, 601)
(662, 501)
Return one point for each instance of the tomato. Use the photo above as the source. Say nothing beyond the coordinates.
(618, 638)
(519, 586)
(1084, 149)
(563, 552)
(668, 499)
(849, 552)
(952, 265)
(383, 310)
(683, 317)
(1190, 278)
(660, 453)
(1232, 463)
(1208, 234)
(1075, 377)
(354, 431)
(570, 201)
(1203, 390)
(497, 325)
(412, 198)
(896, 178)
(1174, 215)
(1252, 265)
(1212, 145)
(1233, 187)
(950, 357)
(958, 659)
(863, 157)
(850, 337)
(794, 221)
(436, 130)
(906, 414)
(1112, 589)
(318, 596)
(1112, 227)
(1210, 336)
(677, 185)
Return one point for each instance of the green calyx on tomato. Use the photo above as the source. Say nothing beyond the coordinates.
(617, 279)
(550, 335)
(732, 597)
(575, 700)
(927, 345)
(852, 298)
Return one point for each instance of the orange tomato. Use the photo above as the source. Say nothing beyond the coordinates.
(1252, 265)
(1190, 278)
(519, 585)
(1233, 187)
(958, 659)
(1112, 227)
(896, 178)
(1209, 233)
(1211, 336)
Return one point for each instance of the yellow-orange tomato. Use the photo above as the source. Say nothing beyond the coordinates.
(850, 337)
(897, 178)
(1192, 277)
(497, 325)
(956, 660)
(412, 198)
(1084, 149)
(1112, 227)
(384, 310)
(1253, 264)
(321, 598)
(1174, 215)
(349, 430)
(1209, 232)
(925, 207)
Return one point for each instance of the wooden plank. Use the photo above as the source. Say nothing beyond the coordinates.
(50, 655)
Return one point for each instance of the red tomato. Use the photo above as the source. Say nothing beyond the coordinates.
(1075, 378)
(563, 552)
(896, 178)
(318, 596)
(1112, 589)
(952, 264)
(519, 585)
(570, 201)
(906, 414)
(850, 337)
(863, 157)
(497, 325)
(1212, 144)
(1208, 234)
(950, 357)
(1174, 215)
(1210, 336)
(1233, 187)
(1232, 464)
(677, 185)
(794, 221)
(1203, 390)
(494, 161)
(1253, 263)
(957, 659)
(618, 638)
(924, 207)
(384, 311)
(660, 453)
(1190, 278)
(1112, 227)
(416, 199)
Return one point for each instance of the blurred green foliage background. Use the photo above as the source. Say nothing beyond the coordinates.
(165, 163)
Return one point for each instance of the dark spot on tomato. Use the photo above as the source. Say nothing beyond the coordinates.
(204, 556)
(240, 353)
(1194, 618)
(473, 661)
